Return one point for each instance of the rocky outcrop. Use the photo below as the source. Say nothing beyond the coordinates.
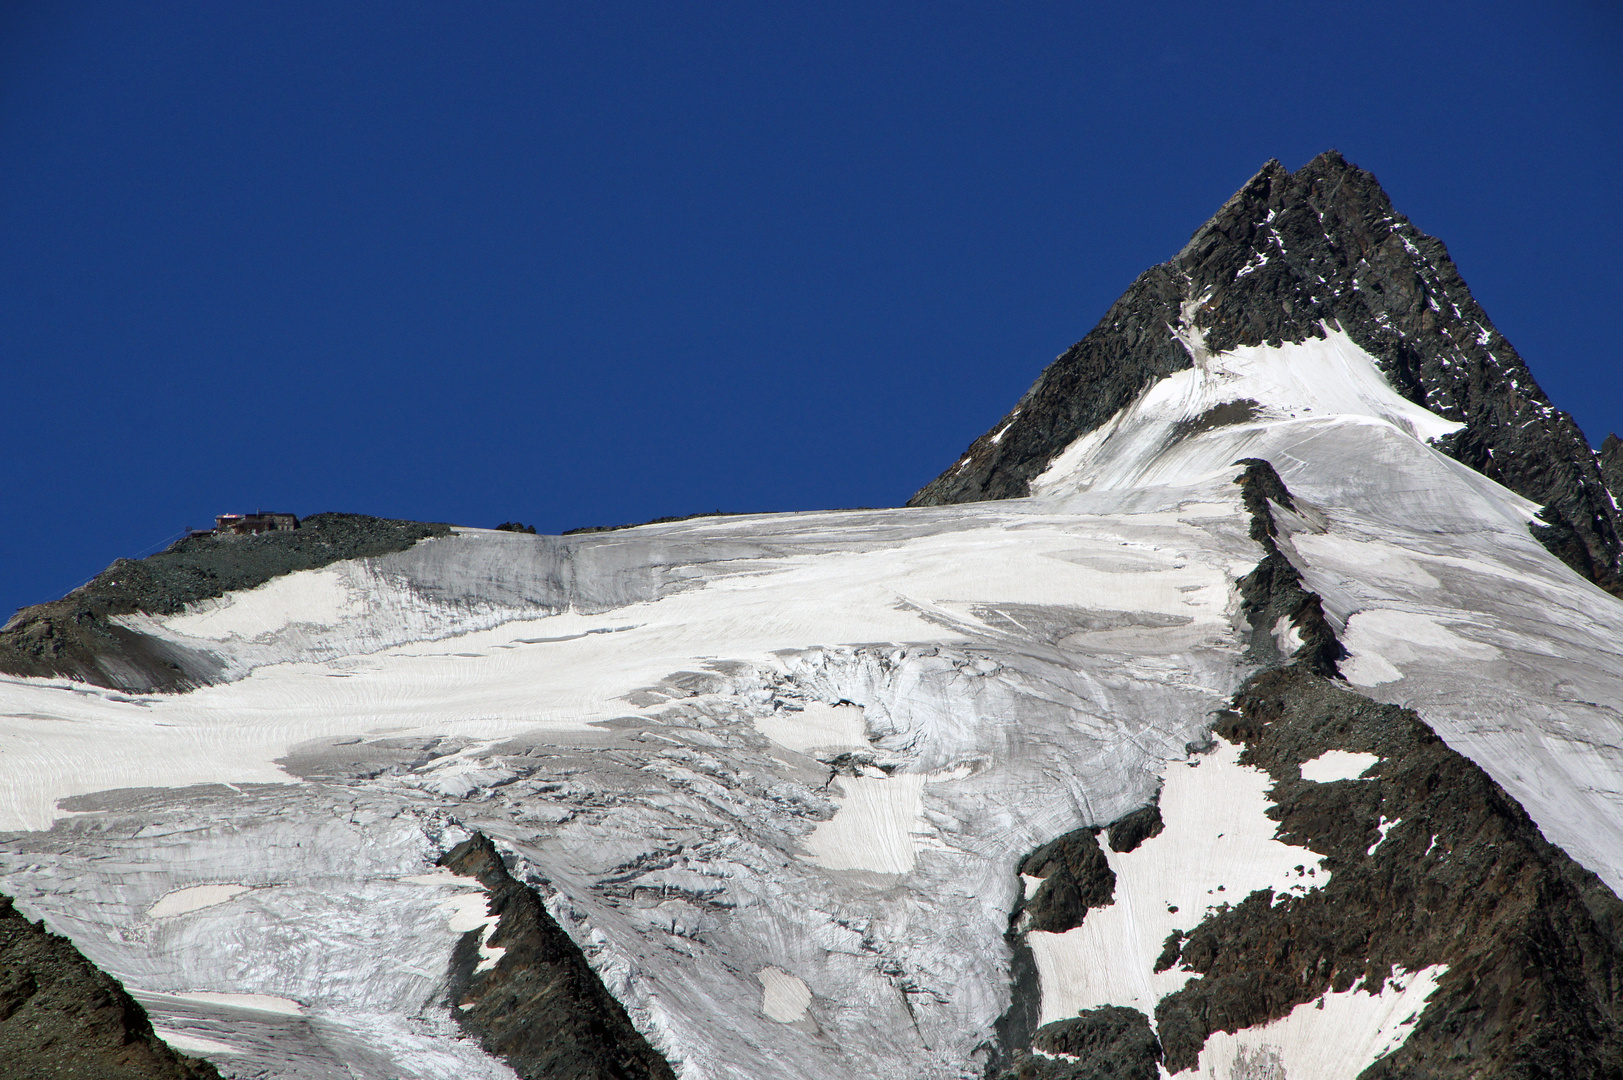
(1289, 254)
(1611, 465)
(60, 1017)
(1430, 863)
(75, 637)
(540, 1008)
(1272, 594)
(1459, 875)
(1111, 1043)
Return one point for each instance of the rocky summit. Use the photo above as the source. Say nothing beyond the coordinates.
(1290, 255)
(1246, 705)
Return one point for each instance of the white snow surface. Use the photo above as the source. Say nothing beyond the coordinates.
(1333, 765)
(1319, 380)
(1335, 1037)
(194, 898)
(784, 997)
(874, 826)
(1217, 847)
(645, 723)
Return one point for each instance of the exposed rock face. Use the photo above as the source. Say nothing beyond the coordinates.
(74, 636)
(1111, 1043)
(1460, 876)
(1291, 252)
(541, 1008)
(1273, 592)
(1430, 863)
(1611, 464)
(61, 1017)
(1075, 878)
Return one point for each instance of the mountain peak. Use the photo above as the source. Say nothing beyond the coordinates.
(1289, 255)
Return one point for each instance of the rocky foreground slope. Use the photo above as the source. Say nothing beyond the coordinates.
(1263, 736)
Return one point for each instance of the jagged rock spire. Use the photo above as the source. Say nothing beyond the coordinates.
(1286, 255)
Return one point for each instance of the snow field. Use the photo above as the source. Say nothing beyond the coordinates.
(1380, 640)
(560, 672)
(1217, 847)
(819, 726)
(1317, 381)
(1064, 729)
(1335, 1037)
(874, 827)
(316, 598)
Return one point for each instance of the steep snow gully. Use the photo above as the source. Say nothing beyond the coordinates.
(1247, 704)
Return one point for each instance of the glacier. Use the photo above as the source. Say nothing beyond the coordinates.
(645, 720)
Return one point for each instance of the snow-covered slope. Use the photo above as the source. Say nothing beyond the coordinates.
(781, 778)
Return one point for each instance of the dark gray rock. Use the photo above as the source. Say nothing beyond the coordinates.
(1534, 986)
(1611, 465)
(541, 1008)
(1532, 941)
(1133, 829)
(61, 1017)
(1075, 876)
(1338, 254)
(1111, 1043)
(1273, 590)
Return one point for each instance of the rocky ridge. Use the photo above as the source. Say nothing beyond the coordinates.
(1430, 861)
(75, 637)
(540, 1007)
(1288, 255)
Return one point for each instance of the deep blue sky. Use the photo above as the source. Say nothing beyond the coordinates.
(591, 263)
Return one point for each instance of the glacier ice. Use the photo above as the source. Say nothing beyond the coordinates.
(775, 773)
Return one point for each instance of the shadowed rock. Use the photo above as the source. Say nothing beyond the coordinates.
(541, 1008)
(61, 1017)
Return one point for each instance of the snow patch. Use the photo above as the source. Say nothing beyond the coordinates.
(1217, 848)
(1383, 828)
(469, 911)
(1287, 637)
(194, 898)
(1333, 765)
(1335, 1037)
(1378, 640)
(192, 1044)
(784, 997)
